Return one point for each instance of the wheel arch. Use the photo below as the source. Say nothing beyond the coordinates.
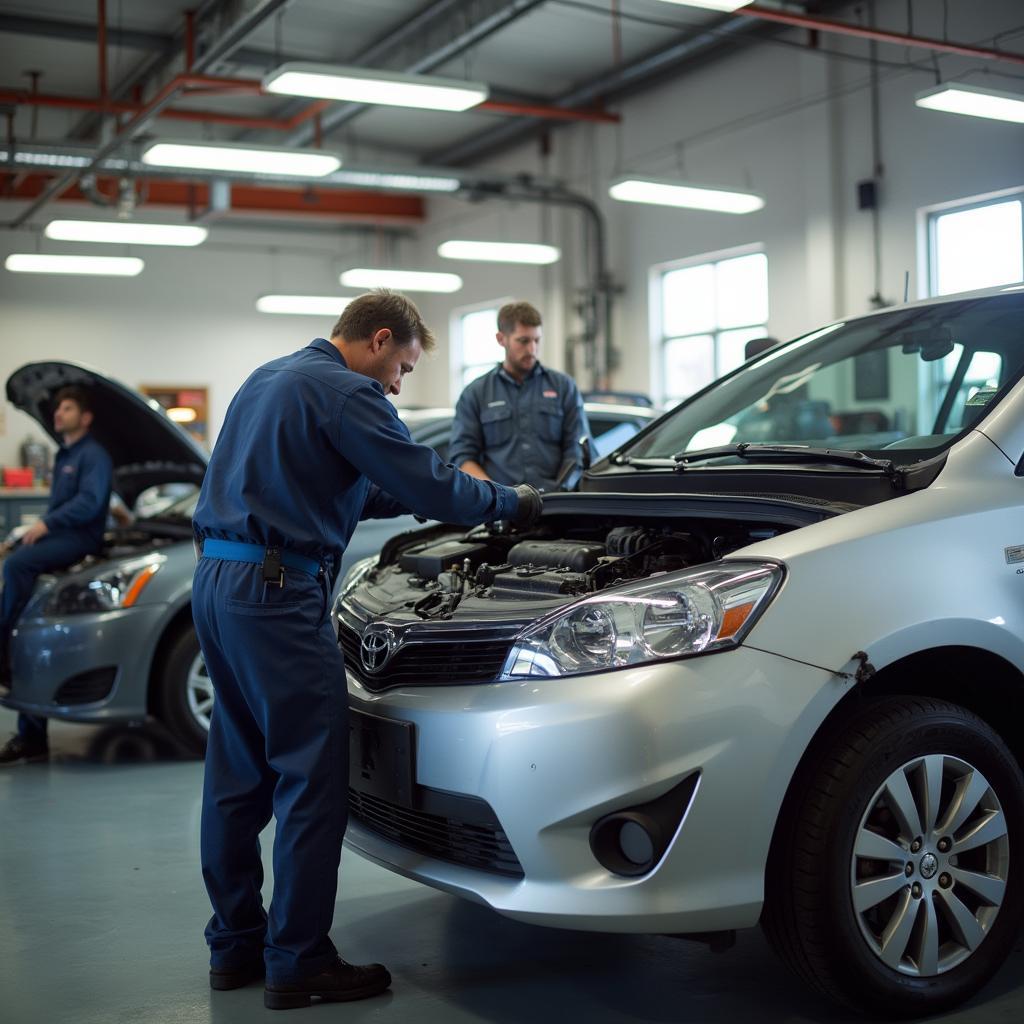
(171, 627)
(947, 673)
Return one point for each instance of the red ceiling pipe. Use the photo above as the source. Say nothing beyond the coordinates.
(552, 113)
(348, 204)
(101, 38)
(877, 34)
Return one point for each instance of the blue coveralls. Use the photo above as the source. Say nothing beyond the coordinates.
(76, 517)
(307, 449)
(520, 432)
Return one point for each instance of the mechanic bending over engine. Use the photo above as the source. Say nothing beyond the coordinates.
(71, 529)
(519, 421)
(310, 445)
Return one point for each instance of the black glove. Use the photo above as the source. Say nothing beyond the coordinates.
(531, 504)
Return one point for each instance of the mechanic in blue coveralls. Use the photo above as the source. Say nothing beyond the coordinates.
(310, 445)
(71, 528)
(519, 421)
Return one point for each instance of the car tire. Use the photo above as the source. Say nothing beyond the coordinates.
(184, 694)
(845, 841)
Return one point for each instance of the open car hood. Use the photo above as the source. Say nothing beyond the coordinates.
(148, 448)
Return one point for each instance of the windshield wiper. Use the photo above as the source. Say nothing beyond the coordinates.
(632, 460)
(791, 453)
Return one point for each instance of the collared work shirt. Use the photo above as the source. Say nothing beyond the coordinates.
(80, 492)
(520, 433)
(310, 447)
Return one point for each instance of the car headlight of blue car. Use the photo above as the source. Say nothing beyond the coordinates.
(678, 615)
(110, 588)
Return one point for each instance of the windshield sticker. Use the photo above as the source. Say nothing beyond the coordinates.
(982, 396)
(1014, 554)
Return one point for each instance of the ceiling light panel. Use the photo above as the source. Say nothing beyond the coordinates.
(712, 5)
(302, 305)
(106, 266)
(359, 85)
(125, 232)
(405, 280)
(228, 157)
(499, 252)
(664, 192)
(975, 102)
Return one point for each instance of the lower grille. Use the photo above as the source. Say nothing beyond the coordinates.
(430, 663)
(87, 687)
(473, 837)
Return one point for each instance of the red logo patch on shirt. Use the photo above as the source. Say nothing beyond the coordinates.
(550, 394)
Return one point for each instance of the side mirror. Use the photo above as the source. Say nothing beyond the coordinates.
(585, 447)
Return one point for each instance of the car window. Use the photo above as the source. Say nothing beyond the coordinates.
(909, 380)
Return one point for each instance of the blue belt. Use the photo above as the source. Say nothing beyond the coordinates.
(239, 551)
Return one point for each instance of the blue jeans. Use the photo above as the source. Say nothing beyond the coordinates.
(21, 568)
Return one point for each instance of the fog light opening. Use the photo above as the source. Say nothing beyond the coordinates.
(636, 844)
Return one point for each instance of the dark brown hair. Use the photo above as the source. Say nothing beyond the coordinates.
(75, 394)
(366, 315)
(513, 313)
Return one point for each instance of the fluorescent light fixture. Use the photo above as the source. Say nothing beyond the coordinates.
(359, 85)
(125, 232)
(712, 5)
(182, 414)
(499, 252)
(229, 157)
(39, 263)
(406, 280)
(399, 180)
(972, 100)
(302, 305)
(663, 192)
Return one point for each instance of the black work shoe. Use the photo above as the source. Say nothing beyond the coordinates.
(19, 748)
(225, 978)
(340, 983)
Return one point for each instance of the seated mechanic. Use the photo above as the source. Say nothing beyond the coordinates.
(519, 421)
(71, 529)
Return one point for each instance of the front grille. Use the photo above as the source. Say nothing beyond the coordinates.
(468, 832)
(87, 687)
(435, 662)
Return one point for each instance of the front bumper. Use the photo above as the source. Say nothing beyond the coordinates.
(55, 663)
(552, 756)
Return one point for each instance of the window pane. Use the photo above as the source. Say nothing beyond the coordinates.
(732, 346)
(979, 248)
(472, 372)
(478, 343)
(688, 300)
(742, 287)
(689, 365)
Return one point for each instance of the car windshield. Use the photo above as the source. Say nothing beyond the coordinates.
(906, 382)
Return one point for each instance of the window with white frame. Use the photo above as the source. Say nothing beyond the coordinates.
(976, 244)
(476, 350)
(708, 309)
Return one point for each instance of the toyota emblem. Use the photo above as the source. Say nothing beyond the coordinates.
(377, 646)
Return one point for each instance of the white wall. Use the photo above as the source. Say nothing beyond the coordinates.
(792, 125)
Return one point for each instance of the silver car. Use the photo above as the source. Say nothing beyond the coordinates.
(763, 667)
(111, 639)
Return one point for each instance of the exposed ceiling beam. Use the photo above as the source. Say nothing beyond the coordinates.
(227, 43)
(442, 31)
(611, 84)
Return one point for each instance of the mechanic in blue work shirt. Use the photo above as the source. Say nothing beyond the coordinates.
(310, 445)
(519, 421)
(71, 528)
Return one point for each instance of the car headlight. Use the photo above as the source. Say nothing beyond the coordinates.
(114, 587)
(673, 616)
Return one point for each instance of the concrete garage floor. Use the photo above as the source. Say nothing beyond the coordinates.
(102, 910)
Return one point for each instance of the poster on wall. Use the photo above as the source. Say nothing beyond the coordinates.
(187, 405)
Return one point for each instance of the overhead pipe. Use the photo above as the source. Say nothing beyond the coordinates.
(220, 49)
(877, 34)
